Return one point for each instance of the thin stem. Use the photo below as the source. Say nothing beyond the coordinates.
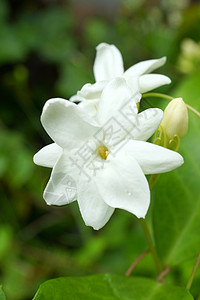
(134, 264)
(157, 95)
(189, 284)
(193, 110)
(163, 274)
(151, 245)
(169, 98)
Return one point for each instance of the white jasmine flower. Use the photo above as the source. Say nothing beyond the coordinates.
(108, 65)
(98, 163)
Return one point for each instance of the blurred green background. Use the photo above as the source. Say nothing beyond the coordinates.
(47, 49)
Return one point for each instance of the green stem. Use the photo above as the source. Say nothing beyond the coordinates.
(157, 95)
(151, 246)
(193, 110)
(169, 98)
(189, 284)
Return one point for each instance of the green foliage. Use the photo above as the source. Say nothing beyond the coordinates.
(176, 209)
(2, 296)
(109, 287)
(189, 26)
(5, 241)
(18, 166)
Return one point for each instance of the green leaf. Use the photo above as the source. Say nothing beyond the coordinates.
(176, 203)
(2, 295)
(109, 287)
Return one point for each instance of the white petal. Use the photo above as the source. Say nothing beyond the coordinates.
(108, 62)
(48, 155)
(94, 210)
(90, 107)
(61, 188)
(153, 159)
(133, 84)
(115, 96)
(117, 111)
(152, 81)
(76, 98)
(66, 123)
(146, 66)
(146, 124)
(92, 91)
(122, 184)
(89, 92)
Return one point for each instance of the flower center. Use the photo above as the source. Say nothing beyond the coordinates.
(103, 152)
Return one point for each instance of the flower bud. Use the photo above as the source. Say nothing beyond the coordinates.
(175, 119)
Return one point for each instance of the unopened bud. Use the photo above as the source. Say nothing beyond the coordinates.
(175, 119)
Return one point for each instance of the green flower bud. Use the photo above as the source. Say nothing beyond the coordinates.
(175, 119)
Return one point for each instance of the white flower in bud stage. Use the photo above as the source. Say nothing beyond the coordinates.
(108, 65)
(175, 118)
(105, 158)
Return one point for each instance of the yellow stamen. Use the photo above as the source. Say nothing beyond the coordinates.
(103, 152)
